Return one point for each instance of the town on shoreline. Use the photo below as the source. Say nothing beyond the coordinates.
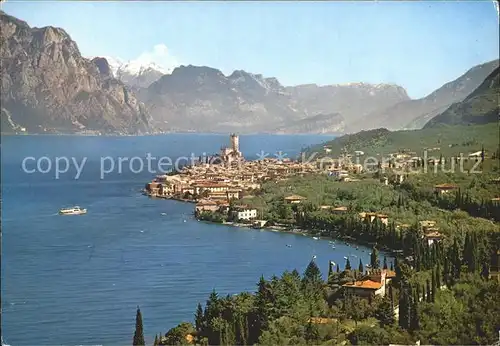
(441, 228)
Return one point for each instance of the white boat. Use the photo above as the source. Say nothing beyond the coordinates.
(315, 238)
(76, 210)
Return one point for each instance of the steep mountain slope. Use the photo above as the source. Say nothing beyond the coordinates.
(203, 99)
(320, 123)
(353, 101)
(414, 114)
(47, 86)
(480, 107)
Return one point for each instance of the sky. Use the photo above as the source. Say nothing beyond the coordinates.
(419, 45)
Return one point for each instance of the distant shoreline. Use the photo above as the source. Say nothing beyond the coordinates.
(306, 233)
(169, 133)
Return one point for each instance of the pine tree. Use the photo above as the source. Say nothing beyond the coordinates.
(139, 331)
(360, 267)
(199, 319)
(311, 333)
(312, 273)
(385, 312)
(347, 264)
(385, 262)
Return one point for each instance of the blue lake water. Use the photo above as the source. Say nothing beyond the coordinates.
(78, 279)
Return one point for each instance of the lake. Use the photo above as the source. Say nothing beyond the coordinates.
(78, 279)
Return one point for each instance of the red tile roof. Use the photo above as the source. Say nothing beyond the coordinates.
(365, 284)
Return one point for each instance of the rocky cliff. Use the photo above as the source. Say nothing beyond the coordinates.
(201, 98)
(47, 86)
(413, 114)
(480, 107)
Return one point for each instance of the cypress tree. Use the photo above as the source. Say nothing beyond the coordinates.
(392, 266)
(414, 319)
(360, 267)
(438, 276)
(429, 292)
(391, 297)
(485, 271)
(347, 264)
(446, 271)
(139, 331)
(385, 262)
(330, 268)
(456, 263)
(338, 268)
(404, 317)
(433, 286)
(156, 342)
(374, 261)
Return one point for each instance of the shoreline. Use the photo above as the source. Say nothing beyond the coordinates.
(307, 233)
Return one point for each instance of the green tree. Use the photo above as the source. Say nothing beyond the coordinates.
(199, 319)
(360, 267)
(404, 308)
(385, 262)
(429, 291)
(312, 273)
(374, 260)
(385, 312)
(311, 333)
(347, 264)
(139, 331)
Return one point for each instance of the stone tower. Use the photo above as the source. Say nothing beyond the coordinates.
(235, 143)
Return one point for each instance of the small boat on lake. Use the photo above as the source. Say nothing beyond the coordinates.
(76, 210)
(315, 238)
(288, 245)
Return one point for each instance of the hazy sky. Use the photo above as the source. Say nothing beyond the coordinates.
(418, 45)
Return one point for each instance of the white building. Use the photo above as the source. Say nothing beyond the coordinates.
(245, 213)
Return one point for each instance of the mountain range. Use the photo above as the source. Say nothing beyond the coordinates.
(482, 106)
(47, 86)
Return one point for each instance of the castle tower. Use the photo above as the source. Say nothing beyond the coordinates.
(235, 142)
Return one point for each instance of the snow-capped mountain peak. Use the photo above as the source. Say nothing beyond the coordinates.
(136, 67)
